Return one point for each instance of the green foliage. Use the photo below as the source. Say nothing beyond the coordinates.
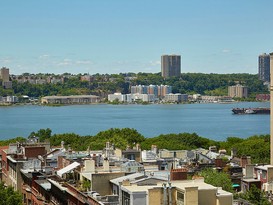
(257, 147)
(218, 179)
(103, 84)
(8, 196)
(178, 141)
(5, 92)
(255, 196)
(115, 102)
(75, 141)
(10, 141)
(120, 137)
(86, 185)
(42, 134)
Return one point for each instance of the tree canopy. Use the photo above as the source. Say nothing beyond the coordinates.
(218, 179)
(104, 84)
(8, 196)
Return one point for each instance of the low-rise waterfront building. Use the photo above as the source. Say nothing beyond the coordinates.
(72, 99)
(130, 98)
(8, 99)
(116, 96)
(263, 97)
(176, 98)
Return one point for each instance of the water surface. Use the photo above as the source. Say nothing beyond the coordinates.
(214, 121)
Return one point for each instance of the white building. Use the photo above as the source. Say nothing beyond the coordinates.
(9, 99)
(120, 97)
(140, 97)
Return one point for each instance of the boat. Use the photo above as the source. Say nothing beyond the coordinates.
(259, 110)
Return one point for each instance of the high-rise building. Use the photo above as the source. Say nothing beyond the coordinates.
(238, 91)
(271, 111)
(170, 66)
(264, 67)
(4, 76)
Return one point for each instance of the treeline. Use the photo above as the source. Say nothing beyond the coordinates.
(257, 147)
(104, 84)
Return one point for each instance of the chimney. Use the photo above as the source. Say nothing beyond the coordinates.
(269, 174)
(249, 171)
(244, 161)
(154, 149)
(233, 152)
(89, 165)
(106, 167)
(138, 147)
(179, 174)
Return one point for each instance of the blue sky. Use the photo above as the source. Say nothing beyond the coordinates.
(114, 36)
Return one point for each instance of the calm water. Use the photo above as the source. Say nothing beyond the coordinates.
(214, 121)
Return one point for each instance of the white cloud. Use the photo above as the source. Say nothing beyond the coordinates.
(154, 63)
(5, 60)
(84, 62)
(226, 51)
(44, 56)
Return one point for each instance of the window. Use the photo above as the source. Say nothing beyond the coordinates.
(125, 198)
(180, 198)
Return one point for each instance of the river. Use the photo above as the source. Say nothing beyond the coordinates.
(214, 121)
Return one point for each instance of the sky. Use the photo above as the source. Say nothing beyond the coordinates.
(121, 36)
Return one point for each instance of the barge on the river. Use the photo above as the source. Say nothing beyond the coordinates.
(260, 110)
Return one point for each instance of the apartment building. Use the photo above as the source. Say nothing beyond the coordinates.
(4, 76)
(264, 67)
(238, 91)
(159, 91)
(170, 66)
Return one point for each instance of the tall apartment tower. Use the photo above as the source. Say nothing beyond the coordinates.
(271, 110)
(4, 74)
(238, 91)
(264, 67)
(170, 66)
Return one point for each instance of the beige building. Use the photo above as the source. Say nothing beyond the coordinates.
(186, 192)
(4, 76)
(238, 91)
(170, 66)
(177, 97)
(73, 99)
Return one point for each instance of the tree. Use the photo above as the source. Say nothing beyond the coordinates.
(255, 196)
(218, 179)
(42, 134)
(8, 196)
